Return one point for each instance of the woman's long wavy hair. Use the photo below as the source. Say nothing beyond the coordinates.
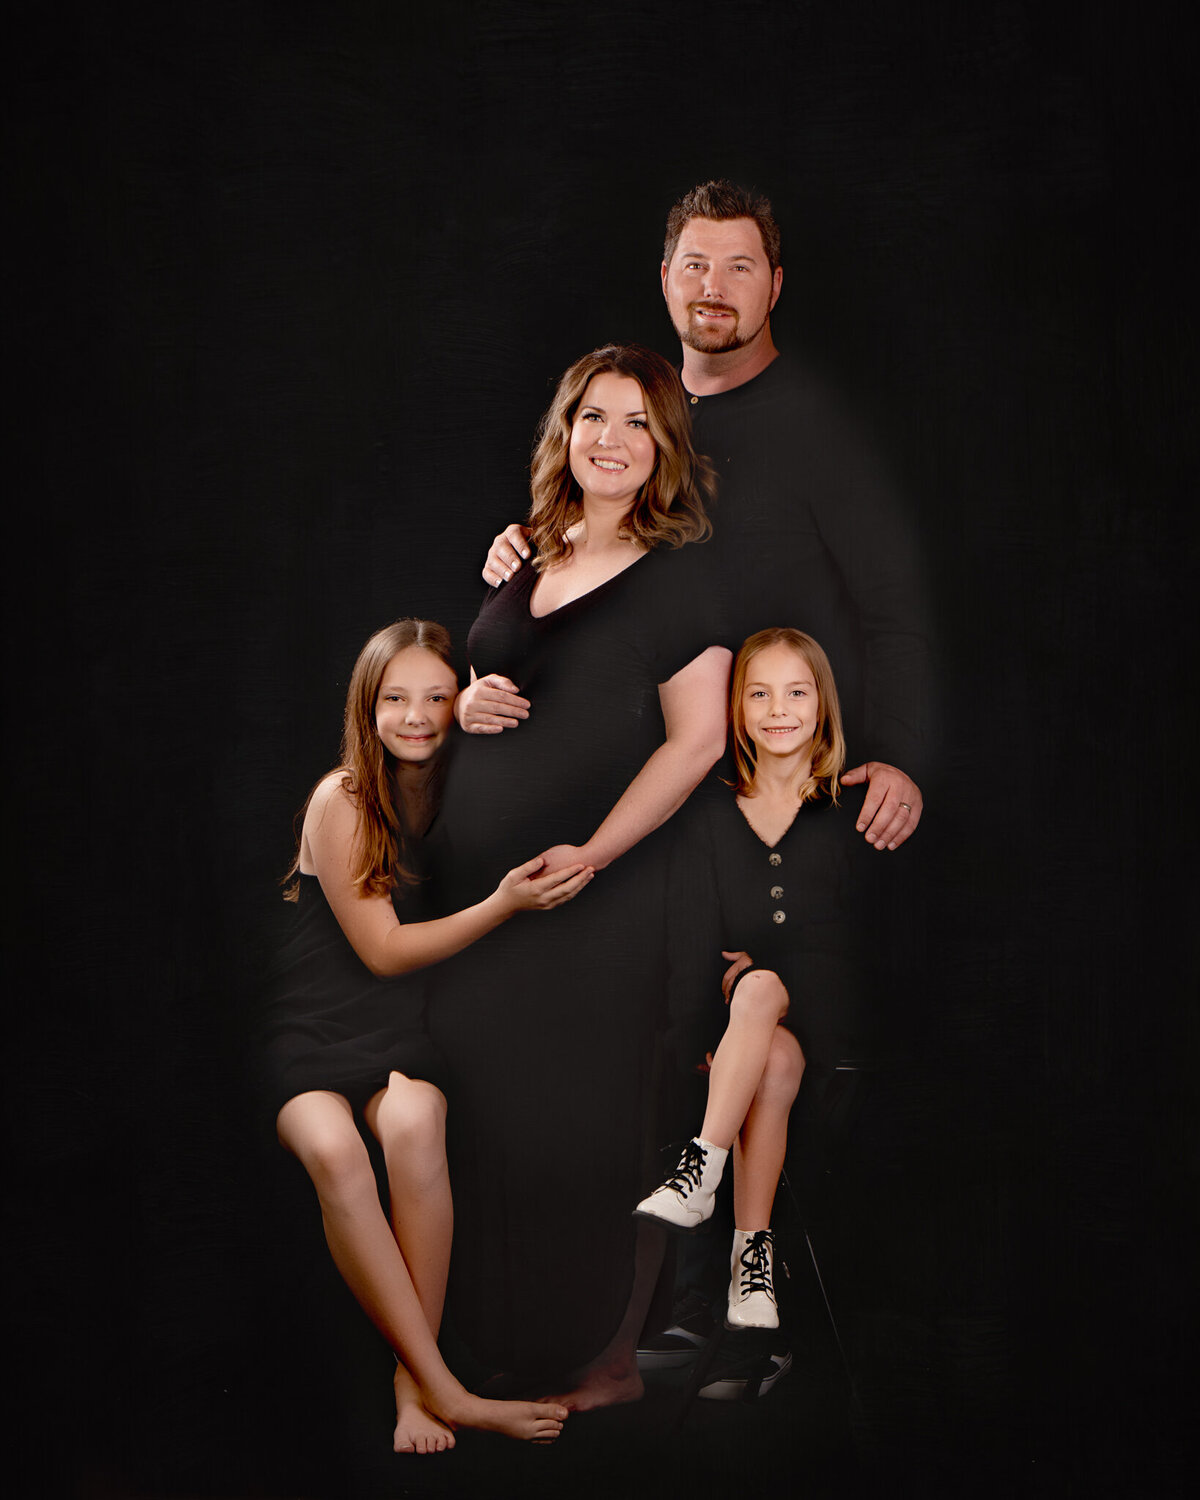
(670, 507)
(829, 743)
(368, 770)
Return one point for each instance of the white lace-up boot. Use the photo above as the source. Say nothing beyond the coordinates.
(752, 1287)
(685, 1200)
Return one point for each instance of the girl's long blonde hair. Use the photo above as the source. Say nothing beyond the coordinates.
(829, 743)
(368, 770)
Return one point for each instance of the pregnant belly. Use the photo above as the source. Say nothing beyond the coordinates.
(510, 796)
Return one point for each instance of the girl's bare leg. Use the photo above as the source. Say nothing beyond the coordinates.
(408, 1119)
(759, 1003)
(761, 1144)
(320, 1130)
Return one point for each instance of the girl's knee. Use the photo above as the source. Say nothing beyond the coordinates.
(334, 1155)
(761, 995)
(412, 1115)
(784, 1069)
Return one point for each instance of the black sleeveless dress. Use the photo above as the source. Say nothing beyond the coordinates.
(330, 1023)
(547, 1023)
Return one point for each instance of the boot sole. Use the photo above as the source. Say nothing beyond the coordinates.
(640, 1213)
(670, 1359)
(737, 1388)
(737, 1327)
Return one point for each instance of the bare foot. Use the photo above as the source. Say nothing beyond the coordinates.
(597, 1385)
(535, 1421)
(417, 1430)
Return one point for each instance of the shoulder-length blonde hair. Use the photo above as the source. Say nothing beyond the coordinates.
(368, 770)
(829, 743)
(670, 507)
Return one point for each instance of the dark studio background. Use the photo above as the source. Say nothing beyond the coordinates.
(291, 285)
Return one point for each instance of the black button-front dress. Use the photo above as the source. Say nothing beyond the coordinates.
(547, 1023)
(800, 907)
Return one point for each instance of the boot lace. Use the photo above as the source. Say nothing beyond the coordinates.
(687, 1174)
(755, 1261)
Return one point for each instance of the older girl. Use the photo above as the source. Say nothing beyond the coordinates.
(346, 1038)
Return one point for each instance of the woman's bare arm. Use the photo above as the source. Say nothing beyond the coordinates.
(694, 713)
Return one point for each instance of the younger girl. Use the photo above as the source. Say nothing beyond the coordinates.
(763, 872)
(345, 1037)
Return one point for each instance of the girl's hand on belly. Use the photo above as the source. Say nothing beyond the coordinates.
(524, 889)
(566, 854)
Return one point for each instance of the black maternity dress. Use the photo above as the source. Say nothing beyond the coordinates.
(547, 1023)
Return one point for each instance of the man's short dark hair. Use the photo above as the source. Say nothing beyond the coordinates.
(724, 200)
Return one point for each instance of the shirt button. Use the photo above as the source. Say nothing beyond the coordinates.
(776, 892)
(778, 916)
(775, 859)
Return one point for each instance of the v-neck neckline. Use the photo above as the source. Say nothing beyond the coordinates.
(755, 832)
(587, 594)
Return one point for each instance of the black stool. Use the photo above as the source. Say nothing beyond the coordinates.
(830, 1118)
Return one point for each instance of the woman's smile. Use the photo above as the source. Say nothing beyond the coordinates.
(611, 452)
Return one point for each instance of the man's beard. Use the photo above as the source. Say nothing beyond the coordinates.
(706, 339)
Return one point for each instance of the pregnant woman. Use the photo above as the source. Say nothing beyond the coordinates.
(346, 1041)
(597, 704)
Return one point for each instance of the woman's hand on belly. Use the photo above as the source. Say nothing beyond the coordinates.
(490, 705)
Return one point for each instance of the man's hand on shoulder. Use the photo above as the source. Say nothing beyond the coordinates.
(506, 554)
(892, 807)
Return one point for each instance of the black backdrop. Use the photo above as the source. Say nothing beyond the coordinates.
(291, 284)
